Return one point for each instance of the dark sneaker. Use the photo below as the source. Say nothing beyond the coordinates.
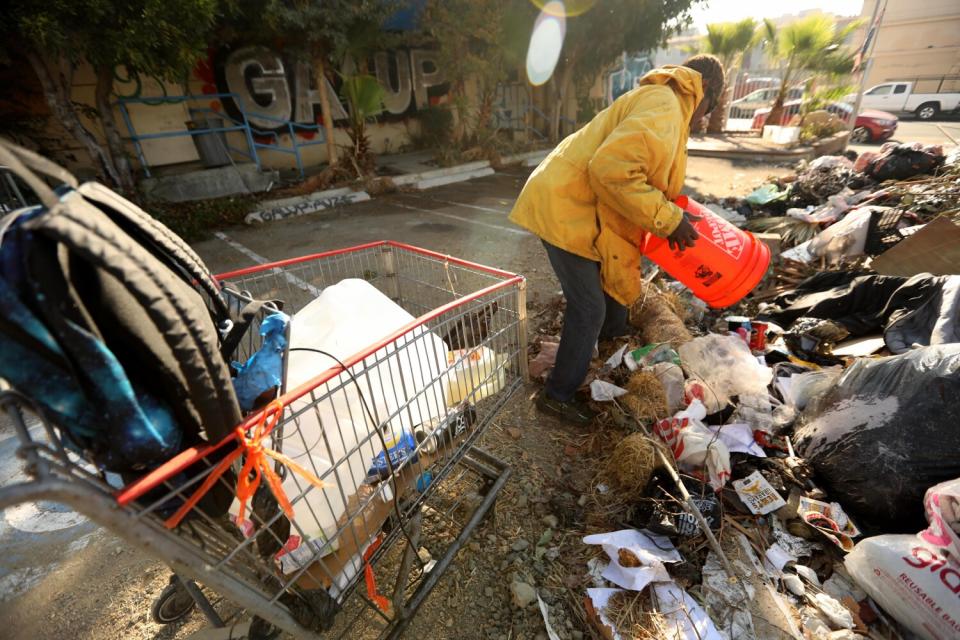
(572, 411)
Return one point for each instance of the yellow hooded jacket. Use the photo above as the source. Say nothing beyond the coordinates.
(606, 185)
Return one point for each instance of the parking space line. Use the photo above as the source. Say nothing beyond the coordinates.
(259, 259)
(461, 219)
(460, 204)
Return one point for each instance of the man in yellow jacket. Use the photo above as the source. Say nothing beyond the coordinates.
(593, 199)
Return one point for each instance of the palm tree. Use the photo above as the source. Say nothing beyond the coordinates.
(811, 44)
(364, 95)
(729, 41)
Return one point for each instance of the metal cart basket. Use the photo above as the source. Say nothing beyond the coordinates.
(377, 455)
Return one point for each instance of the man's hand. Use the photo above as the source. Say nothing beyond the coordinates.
(685, 235)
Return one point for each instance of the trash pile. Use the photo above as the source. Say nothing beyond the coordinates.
(771, 471)
(835, 213)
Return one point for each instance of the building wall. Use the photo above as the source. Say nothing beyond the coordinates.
(264, 84)
(915, 39)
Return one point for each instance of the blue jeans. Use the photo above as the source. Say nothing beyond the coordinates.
(590, 314)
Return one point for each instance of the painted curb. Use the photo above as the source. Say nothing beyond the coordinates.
(291, 207)
(804, 153)
(527, 159)
(456, 177)
(424, 176)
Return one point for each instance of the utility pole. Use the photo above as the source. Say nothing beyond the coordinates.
(866, 60)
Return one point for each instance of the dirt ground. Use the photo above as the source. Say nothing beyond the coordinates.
(83, 583)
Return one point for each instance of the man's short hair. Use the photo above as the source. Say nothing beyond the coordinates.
(713, 77)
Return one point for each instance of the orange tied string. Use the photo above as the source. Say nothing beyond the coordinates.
(370, 580)
(256, 466)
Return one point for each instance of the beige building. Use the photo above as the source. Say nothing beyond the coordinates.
(916, 40)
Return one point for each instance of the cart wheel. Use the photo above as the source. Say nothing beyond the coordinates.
(260, 629)
(173, 604)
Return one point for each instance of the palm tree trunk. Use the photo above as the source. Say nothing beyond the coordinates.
(718, 117)
(776, 111)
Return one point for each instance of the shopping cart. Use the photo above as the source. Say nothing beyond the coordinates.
(359, 557)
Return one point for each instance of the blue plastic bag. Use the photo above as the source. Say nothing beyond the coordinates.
(264, 369)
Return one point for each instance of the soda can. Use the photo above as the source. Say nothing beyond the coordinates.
(758, 335)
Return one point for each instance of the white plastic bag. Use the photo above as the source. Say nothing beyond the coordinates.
(694, 445)
(671, 377)
(912, 581)
(848, 237)
(726, 368)
(942, 504)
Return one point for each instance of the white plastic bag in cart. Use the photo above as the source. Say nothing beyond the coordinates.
(402, 383)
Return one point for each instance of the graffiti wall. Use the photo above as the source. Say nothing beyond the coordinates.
(625, 76)
(272, 88)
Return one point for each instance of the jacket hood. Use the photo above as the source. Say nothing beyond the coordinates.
(685, 82)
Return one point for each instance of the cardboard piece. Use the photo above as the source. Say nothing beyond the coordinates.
(365, 524)
(860, 347)
(933, 249)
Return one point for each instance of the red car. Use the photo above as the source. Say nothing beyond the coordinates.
(872, 125)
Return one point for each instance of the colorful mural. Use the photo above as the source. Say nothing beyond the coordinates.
(274, 89)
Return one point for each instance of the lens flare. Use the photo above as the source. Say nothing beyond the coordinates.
(569, 9)
(546, 43)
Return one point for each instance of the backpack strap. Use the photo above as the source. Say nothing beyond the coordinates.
(174, 307)
(20, 161)
(165, 244)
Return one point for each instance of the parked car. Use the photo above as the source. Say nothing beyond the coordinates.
(745, 106)
(751, 84)
(871, 125)
(904, 97)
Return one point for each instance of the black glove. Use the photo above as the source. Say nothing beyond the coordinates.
(685, 235)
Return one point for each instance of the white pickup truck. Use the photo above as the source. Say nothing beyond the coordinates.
(896, 96)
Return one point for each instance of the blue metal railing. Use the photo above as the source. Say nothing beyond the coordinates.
(241, 125)
(292, 128)
(138, 138)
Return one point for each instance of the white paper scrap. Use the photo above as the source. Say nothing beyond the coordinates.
(600, 598)
(739, 437)
(635, 578)
(648, 547)
(616, 359)
(776, 558)
(545, 612)
(757, 494)
(650, 550)
(602, 391)
(690, 620)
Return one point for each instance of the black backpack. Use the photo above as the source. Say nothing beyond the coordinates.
(112, 325)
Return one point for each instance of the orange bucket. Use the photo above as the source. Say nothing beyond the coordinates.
(726, 263)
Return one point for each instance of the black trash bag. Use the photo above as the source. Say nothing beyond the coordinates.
(886, 432)
(905, 161)
(663, 512)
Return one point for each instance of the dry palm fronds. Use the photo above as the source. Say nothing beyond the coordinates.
(646, 399)
(632, 463)
(792, 231)
(656, 320)
(633, 616)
